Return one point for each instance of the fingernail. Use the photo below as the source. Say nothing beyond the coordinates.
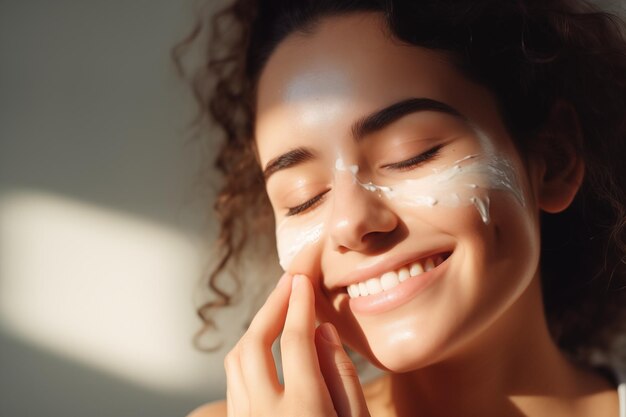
(297, 279)
(330, 334)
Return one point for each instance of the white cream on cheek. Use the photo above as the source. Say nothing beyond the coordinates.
(464, 182)
(460, 184)
(291, 240)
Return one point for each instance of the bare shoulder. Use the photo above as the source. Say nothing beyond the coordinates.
(214, 409)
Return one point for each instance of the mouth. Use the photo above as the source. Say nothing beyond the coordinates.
(391, 279)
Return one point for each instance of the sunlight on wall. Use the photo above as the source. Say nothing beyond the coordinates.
(99, 287)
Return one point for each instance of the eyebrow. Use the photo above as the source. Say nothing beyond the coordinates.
(287, 160)
(363, 127)
(384, 117)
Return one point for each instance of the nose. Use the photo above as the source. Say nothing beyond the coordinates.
(361, 219)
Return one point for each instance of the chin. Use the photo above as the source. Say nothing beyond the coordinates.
(402, 353)
(399, 362)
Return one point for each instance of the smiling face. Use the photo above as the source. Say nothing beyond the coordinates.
(396, 189)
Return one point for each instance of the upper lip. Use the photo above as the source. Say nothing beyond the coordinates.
(392, 263)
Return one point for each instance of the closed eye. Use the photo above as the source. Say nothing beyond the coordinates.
(415, 161)
(306, 205)
(399, 166)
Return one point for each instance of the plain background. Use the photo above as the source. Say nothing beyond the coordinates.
(103, 224)
(104, 231)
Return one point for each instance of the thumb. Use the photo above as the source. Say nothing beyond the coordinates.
(340, 374)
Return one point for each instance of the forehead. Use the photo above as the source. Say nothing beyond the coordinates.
(317, 83)
(343, 52)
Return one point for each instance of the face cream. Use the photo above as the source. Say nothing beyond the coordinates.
(466, 181)
(291, 240)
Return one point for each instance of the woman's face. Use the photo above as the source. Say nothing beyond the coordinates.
(396, 189)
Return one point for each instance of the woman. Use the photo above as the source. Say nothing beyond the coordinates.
(447, 186)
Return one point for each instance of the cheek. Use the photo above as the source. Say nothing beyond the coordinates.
(492, 267)
(297, 245)
(465, 183)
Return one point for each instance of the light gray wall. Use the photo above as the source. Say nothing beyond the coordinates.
(102, 229)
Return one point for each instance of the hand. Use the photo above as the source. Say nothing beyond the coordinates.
(319, 378)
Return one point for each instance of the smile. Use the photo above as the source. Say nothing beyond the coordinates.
(394, 288)
(391, 279)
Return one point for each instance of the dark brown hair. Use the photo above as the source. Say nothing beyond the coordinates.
(531, 54)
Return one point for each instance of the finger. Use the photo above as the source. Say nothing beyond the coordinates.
(257, 361)
(230, 411)
(340, 374)
(239, 402)
(300, 367)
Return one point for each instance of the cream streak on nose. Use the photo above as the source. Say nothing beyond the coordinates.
(342, 223)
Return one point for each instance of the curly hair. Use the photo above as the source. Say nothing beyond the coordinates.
(529, 53)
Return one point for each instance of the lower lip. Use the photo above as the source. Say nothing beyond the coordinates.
(400, 294)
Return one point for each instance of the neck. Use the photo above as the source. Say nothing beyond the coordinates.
(513, 369)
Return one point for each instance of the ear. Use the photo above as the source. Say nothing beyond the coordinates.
(558, 149)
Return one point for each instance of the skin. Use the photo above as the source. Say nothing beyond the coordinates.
(475, 342)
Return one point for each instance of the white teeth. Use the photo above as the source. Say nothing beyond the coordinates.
(391, 279)
(373, 286)
(416, 269)
(363, 289)
(353, 291)
(403, 274)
